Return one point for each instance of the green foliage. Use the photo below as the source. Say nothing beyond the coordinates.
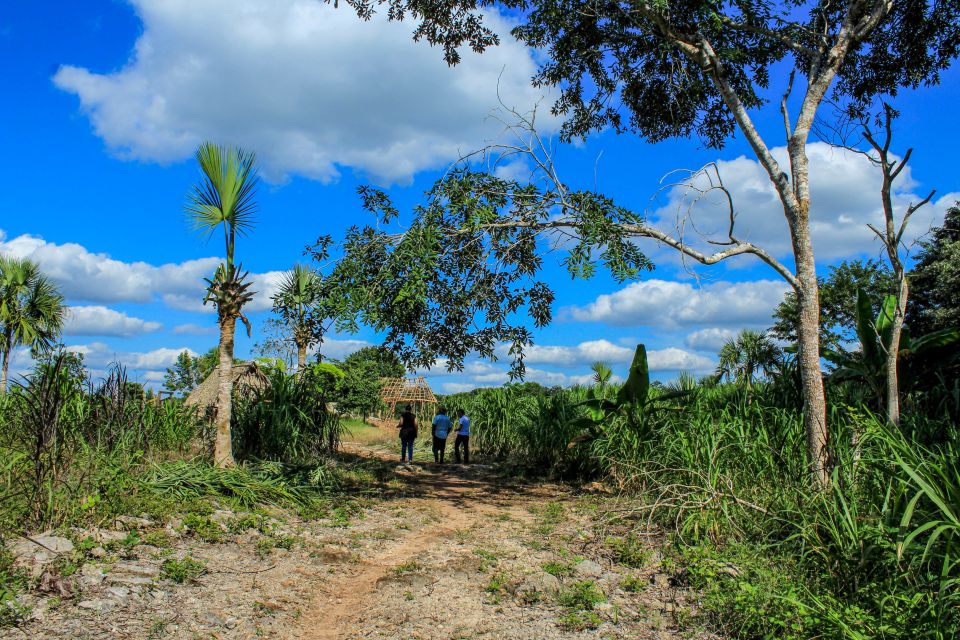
(184, 570)
(747, 355)
(288, 420)
(935, 279)
(359, 389)
(875, 334)
(582, 595)
(838, 302)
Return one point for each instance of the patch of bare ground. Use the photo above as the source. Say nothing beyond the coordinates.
(440, 552)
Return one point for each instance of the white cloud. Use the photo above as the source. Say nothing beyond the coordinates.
(97, 356)
(335, 349)
(668, 304)
(96, 277)
(710, 339)
(103, 321)
(191, 329)
(674, 359)
(845, 196)
(310, 87)
(583, 353)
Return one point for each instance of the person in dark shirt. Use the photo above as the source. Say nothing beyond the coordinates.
(408, 433)
(463, 437)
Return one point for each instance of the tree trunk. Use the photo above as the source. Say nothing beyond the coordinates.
(301, 356)
(7, 344)
(223, 445)
(893, 352)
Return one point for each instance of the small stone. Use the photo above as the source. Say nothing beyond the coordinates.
(91, 575)
(41, 548)
(231, 623)
(106, 536)
(97, 605)
(132, 523)
(133, 581)
(137, 570)
(213, 619)
(541, 582)
(121, 593)
(660, 580)
(98, 552)
(588, 569)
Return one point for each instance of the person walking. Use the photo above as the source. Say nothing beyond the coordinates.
(463, 437)
(408, 434)
(441, 429)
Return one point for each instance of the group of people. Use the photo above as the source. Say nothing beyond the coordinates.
(442, 427)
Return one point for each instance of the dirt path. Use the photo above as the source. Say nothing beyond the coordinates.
(431, 552)
(467, 561)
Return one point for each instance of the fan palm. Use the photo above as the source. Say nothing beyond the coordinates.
(297, 301)
(745, 356)
(31, 309)
(601, 374)
(224, 199)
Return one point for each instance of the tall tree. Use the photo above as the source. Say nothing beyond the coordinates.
(667, 69)
(298, 304)
(225, 199)
(32, 310)
(184, 375)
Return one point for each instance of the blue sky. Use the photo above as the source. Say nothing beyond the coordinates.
(105, 101)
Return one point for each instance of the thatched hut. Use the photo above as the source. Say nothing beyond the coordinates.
(247, 377)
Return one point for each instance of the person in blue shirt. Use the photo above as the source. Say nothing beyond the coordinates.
(441, 429)
(463, 437)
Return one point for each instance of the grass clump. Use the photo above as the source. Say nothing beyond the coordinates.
(203, 528)
(181, 571)
(629, 551)
(582, 595)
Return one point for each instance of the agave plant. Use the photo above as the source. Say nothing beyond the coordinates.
(633, 403)
(875, 334)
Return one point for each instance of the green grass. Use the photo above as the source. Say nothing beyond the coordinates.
(184, 570)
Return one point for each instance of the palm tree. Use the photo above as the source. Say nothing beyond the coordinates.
(743, 357)
(31, 310)
(224, 198)
(297, 302)
(601, 374)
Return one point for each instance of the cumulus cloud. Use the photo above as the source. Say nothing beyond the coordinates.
(585, 352)
(103, 321)
(336, 349)
(670, 305)
(85, 276)
(97, 356)
(710, 339)
(845, 196)
(310, 87)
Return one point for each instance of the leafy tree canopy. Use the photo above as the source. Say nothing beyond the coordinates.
(639, 66)
(838, 302)
(935, 280)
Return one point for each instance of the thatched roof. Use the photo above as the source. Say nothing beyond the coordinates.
(246, 377)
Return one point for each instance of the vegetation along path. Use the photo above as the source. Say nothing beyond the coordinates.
(436, 552)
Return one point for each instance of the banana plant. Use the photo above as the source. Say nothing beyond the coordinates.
(633, 402)
(875, 332)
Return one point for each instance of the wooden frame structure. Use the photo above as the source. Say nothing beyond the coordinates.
(413, 391)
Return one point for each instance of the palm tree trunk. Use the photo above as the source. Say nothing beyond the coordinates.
(7, 343)
(223, 445)
(301, 356)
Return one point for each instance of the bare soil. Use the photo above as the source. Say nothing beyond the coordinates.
(439, 552)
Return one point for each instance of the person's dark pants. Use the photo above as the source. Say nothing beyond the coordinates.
(463, 441)
(405, 446)
(439, 448)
